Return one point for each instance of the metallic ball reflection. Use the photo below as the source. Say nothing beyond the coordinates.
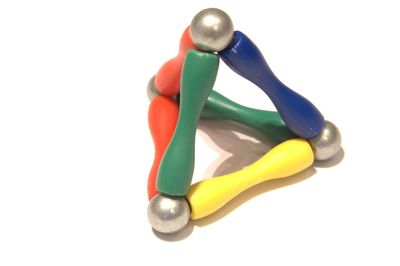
(168, 214)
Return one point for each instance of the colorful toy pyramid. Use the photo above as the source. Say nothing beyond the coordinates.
(298, 126)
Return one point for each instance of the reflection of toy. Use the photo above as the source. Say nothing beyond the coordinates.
(299, 125)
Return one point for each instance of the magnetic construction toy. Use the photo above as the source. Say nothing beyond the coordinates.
(299, 129)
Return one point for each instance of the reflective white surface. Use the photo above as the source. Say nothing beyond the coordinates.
(75, 149)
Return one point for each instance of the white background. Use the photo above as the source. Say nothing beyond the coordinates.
(75, 149)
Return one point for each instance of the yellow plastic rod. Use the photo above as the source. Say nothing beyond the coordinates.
(285, 159)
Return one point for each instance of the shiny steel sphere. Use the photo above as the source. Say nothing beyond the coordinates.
(168, 214)
(327, 143)
(211, 30)
(152, 91)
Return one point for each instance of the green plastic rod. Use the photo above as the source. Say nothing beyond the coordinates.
(267, 122)
(176, 168)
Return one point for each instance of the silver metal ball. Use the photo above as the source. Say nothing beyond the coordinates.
(152, 91)
(327, 143)
(168, 214)
(211, 30)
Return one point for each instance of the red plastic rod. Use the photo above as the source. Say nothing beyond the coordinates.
(168, 78)
(163, 117)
